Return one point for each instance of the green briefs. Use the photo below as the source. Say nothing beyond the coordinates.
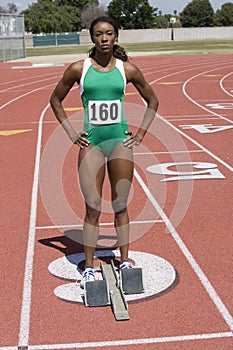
(107, 137)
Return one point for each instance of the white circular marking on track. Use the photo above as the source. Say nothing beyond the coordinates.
(158, 274)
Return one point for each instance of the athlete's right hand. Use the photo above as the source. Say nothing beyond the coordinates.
(80, 140)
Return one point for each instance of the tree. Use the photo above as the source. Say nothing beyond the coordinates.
(49, 16)
(91, 12)
(132, 14)
(224, 17)
(10, 8)
(160, 22)
(198, 13)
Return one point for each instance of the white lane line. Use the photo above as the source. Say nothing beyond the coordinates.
(167, 152)
(27, 93)
(226, 165)
(101, 224)
(27, 286)
(184, 71)
(221, 84)
(8, 82)
(131, 341)
(198, 104)
(193, 119)
(14, 88)
(197, 269)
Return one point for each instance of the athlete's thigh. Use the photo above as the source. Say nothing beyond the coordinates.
(120, 171)
(91, 168)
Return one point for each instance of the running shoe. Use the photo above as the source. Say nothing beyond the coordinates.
(125, 265)
(87, 276)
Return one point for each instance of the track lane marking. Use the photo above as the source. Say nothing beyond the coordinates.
(13, 88)
(26, 94)
(193, 263)
(132, 341)
(222, 87)
(198, 104)
(13, 132)
(212, 155)
(101, 224)
(178, 338)
(27, 285)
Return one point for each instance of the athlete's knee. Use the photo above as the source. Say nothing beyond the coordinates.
(93, 209)
(119, 206)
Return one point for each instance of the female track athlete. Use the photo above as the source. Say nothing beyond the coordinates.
(105, 142)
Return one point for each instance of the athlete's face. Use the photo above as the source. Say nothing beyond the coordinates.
(104, 36)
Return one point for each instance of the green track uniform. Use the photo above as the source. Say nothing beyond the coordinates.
(102, 95)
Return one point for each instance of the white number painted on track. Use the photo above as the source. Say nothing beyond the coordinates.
(207, 128)
(209, 171)
(220, 105)
(104, 112)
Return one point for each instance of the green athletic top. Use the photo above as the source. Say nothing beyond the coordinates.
(102, 95)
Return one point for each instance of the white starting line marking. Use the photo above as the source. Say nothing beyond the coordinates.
(136, 222)
(145, 341)
(190, 337)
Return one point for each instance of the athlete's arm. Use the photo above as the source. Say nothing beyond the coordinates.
(71, 76)
(135, 76)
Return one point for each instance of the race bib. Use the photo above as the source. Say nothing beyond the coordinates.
(104, 112)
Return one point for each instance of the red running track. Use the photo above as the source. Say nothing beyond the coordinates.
(181, 210)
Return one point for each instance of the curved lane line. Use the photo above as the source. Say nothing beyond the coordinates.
(221, 84)
(198, 104)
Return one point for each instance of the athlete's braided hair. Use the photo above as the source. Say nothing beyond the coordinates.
(118, 51)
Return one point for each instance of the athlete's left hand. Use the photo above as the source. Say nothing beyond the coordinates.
(132, 140)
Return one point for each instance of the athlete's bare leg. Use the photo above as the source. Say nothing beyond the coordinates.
(91, 165)
(120, 170)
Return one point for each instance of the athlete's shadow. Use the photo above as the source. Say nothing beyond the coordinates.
(66, 244)
(72, 242)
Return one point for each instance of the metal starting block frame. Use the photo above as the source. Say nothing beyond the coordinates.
(111, 290)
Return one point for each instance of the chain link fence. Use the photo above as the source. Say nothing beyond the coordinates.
(12, 39)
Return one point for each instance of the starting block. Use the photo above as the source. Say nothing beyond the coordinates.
(97, 293)
(131, 280)
(112, 288)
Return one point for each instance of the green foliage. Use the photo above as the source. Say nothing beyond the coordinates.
(48, 16)
(132, 14)
(161, 22)
(198, 13)
(224, 17)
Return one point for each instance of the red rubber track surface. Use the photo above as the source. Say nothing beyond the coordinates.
(192, 228)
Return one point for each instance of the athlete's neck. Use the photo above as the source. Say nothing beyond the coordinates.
(103, 62)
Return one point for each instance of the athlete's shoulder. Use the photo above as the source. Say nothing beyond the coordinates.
(131, 71)
(74, 70)
(76, 67)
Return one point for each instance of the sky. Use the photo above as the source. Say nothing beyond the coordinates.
(166, 6)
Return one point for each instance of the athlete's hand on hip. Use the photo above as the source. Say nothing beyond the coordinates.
(80, 140)
(132, 140)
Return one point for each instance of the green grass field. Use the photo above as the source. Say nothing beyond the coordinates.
(171, 47)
